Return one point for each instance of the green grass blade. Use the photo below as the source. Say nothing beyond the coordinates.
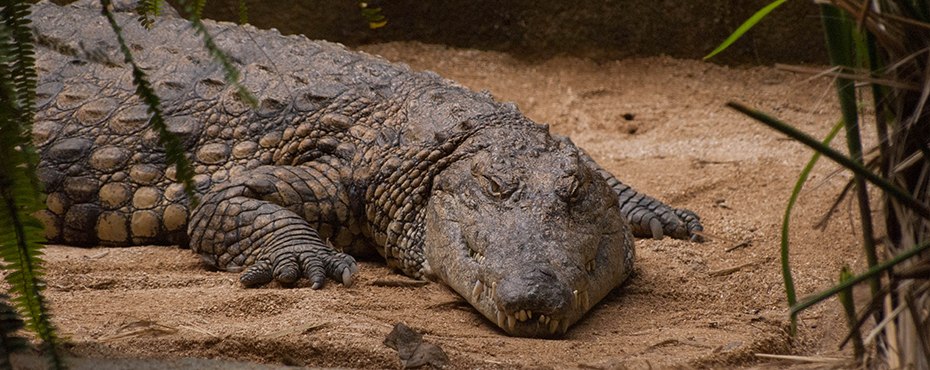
(745, 27)
(871, 273)
(839, 30)
(846, 299)
(904, 198)
(785, 264)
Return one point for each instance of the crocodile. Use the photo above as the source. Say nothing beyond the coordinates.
(345, 156)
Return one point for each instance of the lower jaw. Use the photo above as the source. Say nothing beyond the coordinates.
(524, 323)
(543, 327)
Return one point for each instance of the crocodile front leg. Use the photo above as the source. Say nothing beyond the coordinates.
(651, 218)
(259, 221)
(648, 217)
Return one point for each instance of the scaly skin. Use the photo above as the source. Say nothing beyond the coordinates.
(346, 155)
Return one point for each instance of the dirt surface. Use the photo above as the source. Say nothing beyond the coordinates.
(659, 124)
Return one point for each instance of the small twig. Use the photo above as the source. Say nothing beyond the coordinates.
(98, 255)
(298, 329)
(400, 283)
(708, 236)
(729, 270)
(453, 304)
(705, 162)
(738, 246)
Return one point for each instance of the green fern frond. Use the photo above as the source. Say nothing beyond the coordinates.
(372, 15)
(20, 246)
(149, 10)
(15, 16)
(197, 10)
(243, 13)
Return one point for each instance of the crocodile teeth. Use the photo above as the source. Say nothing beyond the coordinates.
(529, 314)
(479, 288)
(521, 315)
(590, 265)
(493, 290)
(543, 319)
(500, 319)
(581, 299)
(511, 321)
(553, 326)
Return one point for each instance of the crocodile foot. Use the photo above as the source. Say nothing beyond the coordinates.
(300, 257)
(651, 218)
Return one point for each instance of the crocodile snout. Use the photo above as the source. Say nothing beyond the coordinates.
(537, 289)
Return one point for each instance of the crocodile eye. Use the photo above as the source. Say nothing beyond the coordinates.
(575, 190)
(494, 187)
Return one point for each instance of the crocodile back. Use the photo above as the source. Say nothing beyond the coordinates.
(103, 165)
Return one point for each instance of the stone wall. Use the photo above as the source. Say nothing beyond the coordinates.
(533, 29)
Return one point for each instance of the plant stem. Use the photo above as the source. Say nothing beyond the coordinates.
(906, 200)
(872, 272)
(785, 264)
(840, 44)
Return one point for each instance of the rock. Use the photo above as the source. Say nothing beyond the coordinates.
(412, 351)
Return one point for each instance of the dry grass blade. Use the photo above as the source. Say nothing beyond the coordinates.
(834, 72)
(881, 326)
(140, 328)
(919, 327)
(810, 359)
(199, 330)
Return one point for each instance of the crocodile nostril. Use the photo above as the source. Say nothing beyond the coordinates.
(537, 289)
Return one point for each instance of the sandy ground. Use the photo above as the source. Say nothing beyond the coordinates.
(659, 124)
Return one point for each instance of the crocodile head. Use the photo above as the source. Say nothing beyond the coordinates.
(526, 232)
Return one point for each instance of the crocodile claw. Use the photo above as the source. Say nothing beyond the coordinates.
(650, 218)
(693, 224)
(313, 262)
